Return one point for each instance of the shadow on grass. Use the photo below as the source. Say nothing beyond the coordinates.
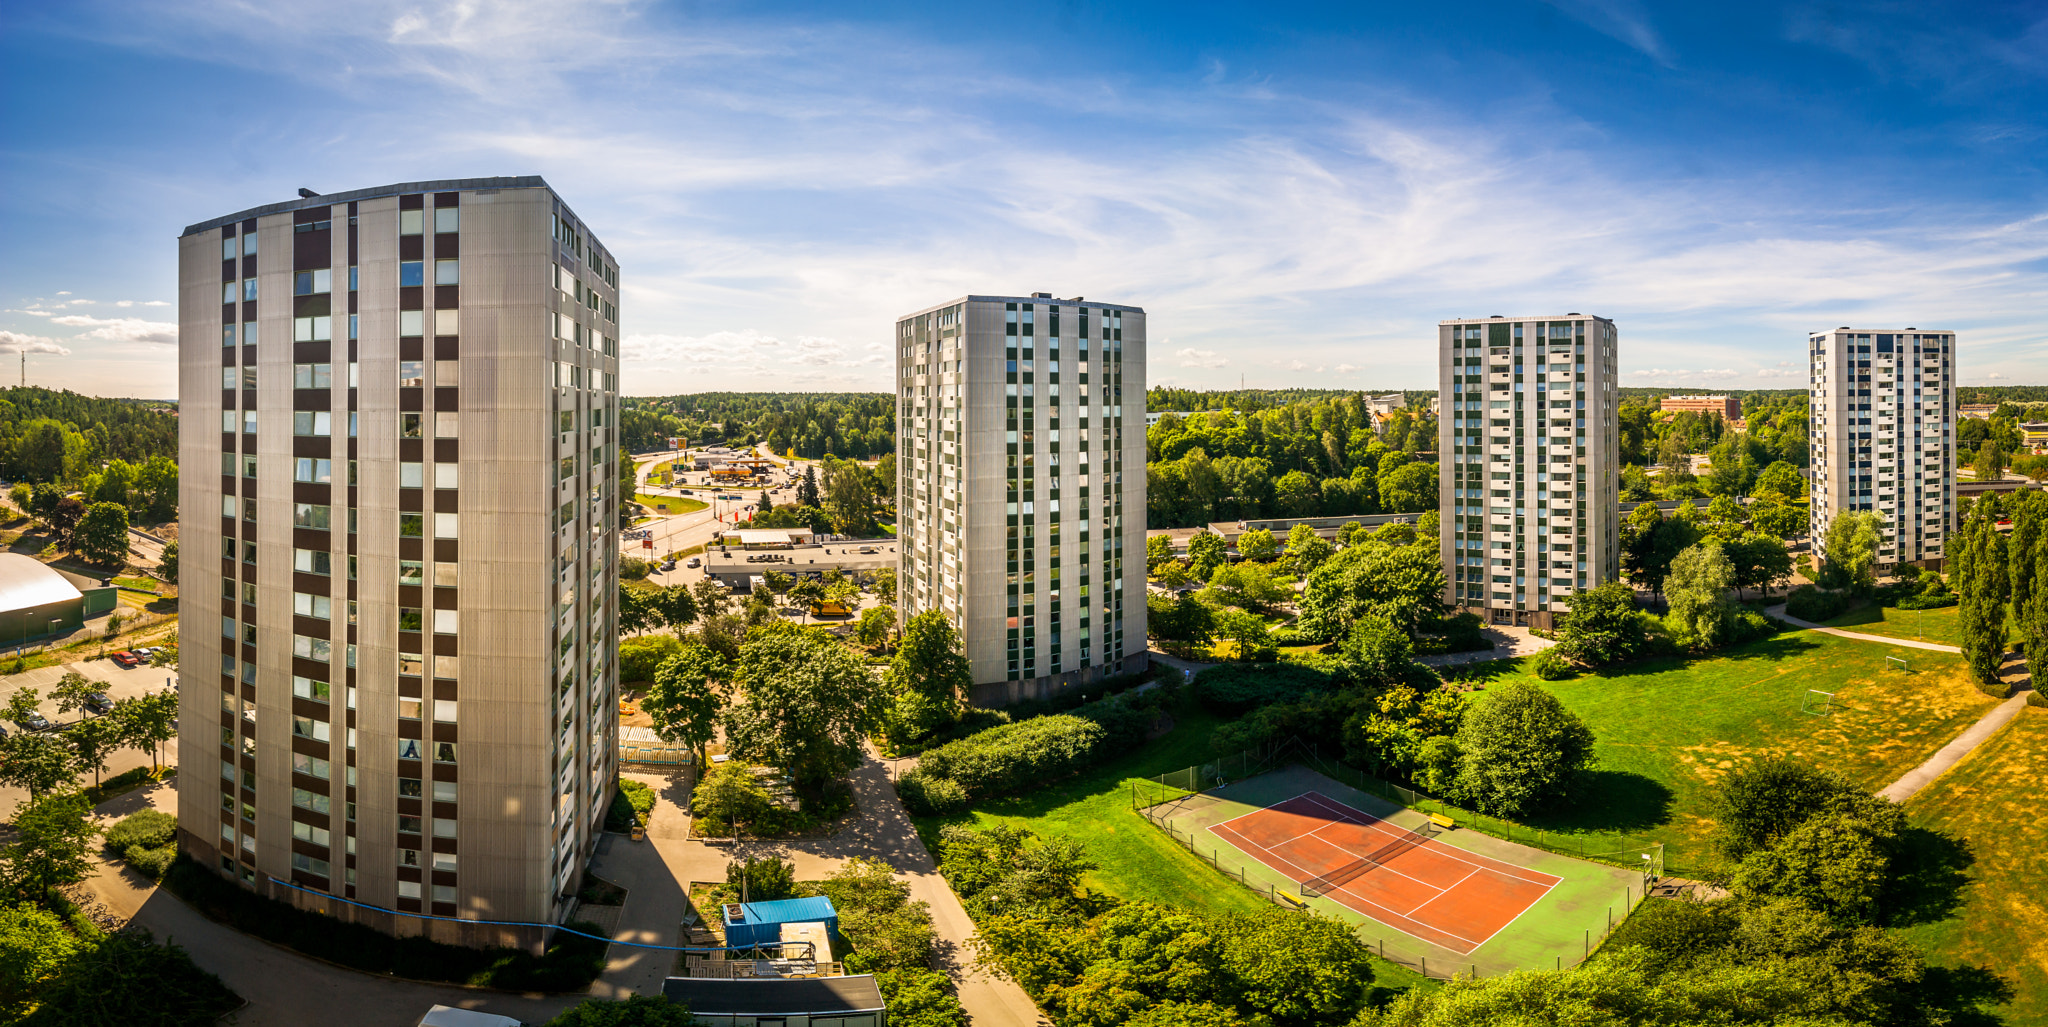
(1775, 649)
(1930, 872)
(1963, 992)
(1869, 613)
(1609, 800)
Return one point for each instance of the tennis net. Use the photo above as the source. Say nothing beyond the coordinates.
(1323, 885)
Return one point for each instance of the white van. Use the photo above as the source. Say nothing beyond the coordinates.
(451, 1016)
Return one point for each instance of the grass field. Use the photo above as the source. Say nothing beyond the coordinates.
(1942, 626)
(1668, 729)
(1137, 861)
(1992, 801)
(675, 504)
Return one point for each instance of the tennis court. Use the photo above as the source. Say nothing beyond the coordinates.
(1400, 877)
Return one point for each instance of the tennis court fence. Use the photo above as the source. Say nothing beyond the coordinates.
(1167, 798)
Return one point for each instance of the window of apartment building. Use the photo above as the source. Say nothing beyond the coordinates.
(313, 283)
(448, 272)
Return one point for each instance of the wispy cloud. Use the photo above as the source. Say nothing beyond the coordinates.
(121, 329)
(1624, 20)
(15, 342)
(1200, 358)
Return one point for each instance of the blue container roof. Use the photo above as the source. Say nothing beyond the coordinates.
(789, 911)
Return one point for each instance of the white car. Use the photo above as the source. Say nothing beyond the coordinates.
(451, 1016)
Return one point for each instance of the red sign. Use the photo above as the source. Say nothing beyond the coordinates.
(647, 543)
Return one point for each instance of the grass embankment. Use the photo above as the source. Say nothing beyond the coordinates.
(1137, 862)
(1667, 730)
(1991, 801)
(1942, 626)
(674, 504)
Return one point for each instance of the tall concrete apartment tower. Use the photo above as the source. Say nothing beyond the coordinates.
(1022, 501)
(1882, 436)
(410, 392)
(1527, 444)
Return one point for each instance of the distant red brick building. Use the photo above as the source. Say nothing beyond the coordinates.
(1728, 407)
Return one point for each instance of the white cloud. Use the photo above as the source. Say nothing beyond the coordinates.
(1346, 369)
(1658, 372)
(1775, 372)
(1624, 20)
(1995, 376)
(121, 329)
(15, 342)
(1200, 358)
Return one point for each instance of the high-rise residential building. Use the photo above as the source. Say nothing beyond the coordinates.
(1881, 431)
(1527, 446)
(410, 393)
(1021, 507)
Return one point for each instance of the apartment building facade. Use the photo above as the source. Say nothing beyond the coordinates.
(1021, 499)
(410, 392)
(1527, 447)
(1881, 434)
(1728, 407)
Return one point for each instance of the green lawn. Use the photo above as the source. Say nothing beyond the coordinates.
(1137, 861)
(1941, 626)
(1667, 730)
(1991, 801)
(675, 504)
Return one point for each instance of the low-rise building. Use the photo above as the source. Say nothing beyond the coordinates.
(737, 568)
(1729, 407)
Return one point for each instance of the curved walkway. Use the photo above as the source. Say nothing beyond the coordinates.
(1948, 755)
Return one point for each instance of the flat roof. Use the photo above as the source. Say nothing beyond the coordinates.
(1542, 317)
(775, 996)
(27, 582)
(1074, 301)
(439, 185)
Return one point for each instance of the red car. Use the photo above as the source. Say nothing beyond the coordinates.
(126, 659)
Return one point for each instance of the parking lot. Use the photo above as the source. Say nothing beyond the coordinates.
(118, 683)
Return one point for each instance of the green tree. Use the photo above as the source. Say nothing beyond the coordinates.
(1701, 612)
(713, 597)
(1759, 561)
(1375, 650)
(93, 742)
(73, 691)
(1983, 581)
(675, 605)
(1849, 551)
(34, 946)
(929, 678)
(1636, 486)
(168, 566)
(807, 704)
(1248, 586)
(157, 484)
(1603, 626)
(1297, 968)
(877, 623)
(1256, 544)
(631, 1011)
(102, 535)
(1781, 478)
(1412, 488)
(148, 721)
(1404, 584)
(1306, 550)
(1838, 863)
(883, 584)
(636, 612)
(1650, 541)
(1184, 620)
(37, 762)
(729, 794)
(1520, 750)
(1205, 554)
(1759, 805)
(687, 695)
(807, 592)
(1248, 632)
(1158, 551)
(53, 842)
(1776, 518)
(63, 522)
(807, 489)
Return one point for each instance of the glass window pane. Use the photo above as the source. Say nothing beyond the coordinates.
(447, 272)
(411, 272)
(447, 219)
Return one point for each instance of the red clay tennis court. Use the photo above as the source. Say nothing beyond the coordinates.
(1404, 879)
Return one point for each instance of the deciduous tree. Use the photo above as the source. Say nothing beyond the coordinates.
(1520, 750)
(687, 695)
(806, 705)
(53, 842)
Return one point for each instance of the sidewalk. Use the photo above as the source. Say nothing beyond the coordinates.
(661, 868)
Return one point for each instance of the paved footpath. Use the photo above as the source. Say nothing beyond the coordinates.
(657, 872)
(1948, 755)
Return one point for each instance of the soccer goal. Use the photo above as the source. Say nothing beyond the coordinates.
(1893, 661)
(1818, 702)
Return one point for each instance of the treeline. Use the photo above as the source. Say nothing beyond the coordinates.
(1325, 456)
(858, 425)
(1168, 398)
(62, 436)
(1980, 394)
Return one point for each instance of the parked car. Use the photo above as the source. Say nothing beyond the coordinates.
(98, 702)
(126, 659)
(693, 562)
(34, 722)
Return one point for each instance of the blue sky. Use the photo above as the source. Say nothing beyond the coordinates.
(1295, 192)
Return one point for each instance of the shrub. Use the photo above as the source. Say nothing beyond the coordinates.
(1812, 604)
(152, 862)
(127, 978)
(641, 795)
(642, 655)
(764, 878)
(1925, 601)
(928, 796)
(1749, 626)
(147, 829)
(1013, 756)
(1994, 689)
(1234, 689)
(1463, 633)
(1550, 665)
(1520, 749)
(633, 568)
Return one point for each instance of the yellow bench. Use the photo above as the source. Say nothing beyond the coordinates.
(1442, 821)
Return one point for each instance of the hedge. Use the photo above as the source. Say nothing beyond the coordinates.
(1809, 603)
(929, 796)
(570, 963)
(1234, 689)
(146, 840)
(1012, 756)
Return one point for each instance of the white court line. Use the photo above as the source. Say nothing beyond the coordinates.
(1360, 897)
(1498, 866)
(1263, 809)
(1518, 916)
(1460, 883)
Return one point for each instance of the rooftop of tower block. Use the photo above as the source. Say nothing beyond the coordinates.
(445, 185)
